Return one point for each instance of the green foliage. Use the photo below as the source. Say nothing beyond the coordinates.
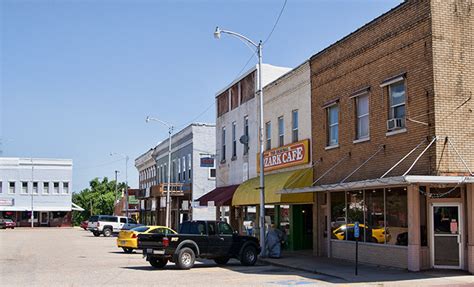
(97, 199)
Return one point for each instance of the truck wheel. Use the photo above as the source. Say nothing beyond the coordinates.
(221, 260)
(249, 256)
(158, 262)
(107, 232)
(96, 233)
(185, 258)
(127, 250)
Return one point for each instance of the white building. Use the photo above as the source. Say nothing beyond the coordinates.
(41, 185)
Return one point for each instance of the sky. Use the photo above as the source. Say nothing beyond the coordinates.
(79, 77)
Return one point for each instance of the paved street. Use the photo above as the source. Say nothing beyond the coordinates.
(73, 257)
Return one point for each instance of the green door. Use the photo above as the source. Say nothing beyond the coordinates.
(301, 237)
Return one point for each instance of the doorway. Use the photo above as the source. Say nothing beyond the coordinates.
(302, 227)
(44, 218)
(446, 230)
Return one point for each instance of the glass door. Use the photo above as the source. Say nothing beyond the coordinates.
(446, 228)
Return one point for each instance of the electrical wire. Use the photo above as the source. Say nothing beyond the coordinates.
(276, 22)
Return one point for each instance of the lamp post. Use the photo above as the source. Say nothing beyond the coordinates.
(32, 187)
(126, 179)
(170, 132)
(259, 46)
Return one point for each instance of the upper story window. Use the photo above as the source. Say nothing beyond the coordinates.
(246, 134)
(281, 131)
(173, 171)
(65, 187)
(234, 140)
(189, 166)
(35, 187)
(184, 168)
(11, 187)
(45, 187)
(24, 187)
(362, 114)
(1, 187)
(56, 187)
(397, 100)
(223, 144)
(333, 125)
(179, 169)
(268, 135)
(294, 126)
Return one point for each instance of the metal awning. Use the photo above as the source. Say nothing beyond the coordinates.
(381, 182)
(76, 207)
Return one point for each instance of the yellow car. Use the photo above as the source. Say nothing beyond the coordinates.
(127, 239)
(375, 235)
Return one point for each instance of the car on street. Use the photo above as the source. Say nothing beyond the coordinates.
(199, 239)
(84, 224)
(7, 223)
(127, 239)
(109, 224)
(375, 235)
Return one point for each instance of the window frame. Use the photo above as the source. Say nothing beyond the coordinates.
(358, 117)
(246, 133)
(330, 144)
(281, 131)
(392, 107)
(268, 135)
(294, 128)
(10, 187)
(234, 140)
(223, 146)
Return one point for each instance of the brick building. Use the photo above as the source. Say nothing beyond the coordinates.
(392, 122)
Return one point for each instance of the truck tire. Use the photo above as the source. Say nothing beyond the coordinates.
(249, 256)
(185, 258)
(107, 232)
(221, 260)
(96, 233)
(127, 250)
(158, 262)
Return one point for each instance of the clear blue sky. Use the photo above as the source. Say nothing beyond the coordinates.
(78, 78)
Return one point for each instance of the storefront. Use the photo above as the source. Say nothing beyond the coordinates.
(423, 222)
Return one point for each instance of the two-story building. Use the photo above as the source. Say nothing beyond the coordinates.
(393, 135)
(146, 167)
(237, 139)
(189, 179)
(39, 185)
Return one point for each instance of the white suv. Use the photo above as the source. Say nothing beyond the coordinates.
(108, 224)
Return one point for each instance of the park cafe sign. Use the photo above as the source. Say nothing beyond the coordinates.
(285, 156)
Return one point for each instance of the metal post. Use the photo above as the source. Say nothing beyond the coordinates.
(116, 192)
(126, 186)
(262, 150)
(32, 179)
(168, 209)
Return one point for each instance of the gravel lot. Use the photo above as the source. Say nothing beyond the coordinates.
(74, 257)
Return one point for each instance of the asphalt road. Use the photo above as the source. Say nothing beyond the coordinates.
(74, 257)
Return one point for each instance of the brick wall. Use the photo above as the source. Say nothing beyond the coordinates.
(453, 61)
(395, 43)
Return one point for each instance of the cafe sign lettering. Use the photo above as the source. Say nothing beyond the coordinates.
(285, 156)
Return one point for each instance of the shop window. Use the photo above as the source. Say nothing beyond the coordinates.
(423, 221)
(333, 125)
(374, 220)
(396, 214)
(338, 215)
(355, 213)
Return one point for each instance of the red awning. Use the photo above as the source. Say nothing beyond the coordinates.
(222, 196)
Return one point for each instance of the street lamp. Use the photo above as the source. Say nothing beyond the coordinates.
(217, 35)
(170, 131)
(126, 179)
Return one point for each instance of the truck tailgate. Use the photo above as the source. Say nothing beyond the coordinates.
(150, 241)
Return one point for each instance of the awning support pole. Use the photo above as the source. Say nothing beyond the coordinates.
(460, 157)
(360, 166)
(400, 161)
(419, 156)
(333, 167)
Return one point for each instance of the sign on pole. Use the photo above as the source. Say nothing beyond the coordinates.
(356, 236)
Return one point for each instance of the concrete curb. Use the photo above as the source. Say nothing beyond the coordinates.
(263, 261)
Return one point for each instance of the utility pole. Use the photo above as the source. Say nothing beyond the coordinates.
(32, 179)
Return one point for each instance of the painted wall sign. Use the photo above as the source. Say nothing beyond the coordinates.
(7, 201)
(285, 156)
(207, 162)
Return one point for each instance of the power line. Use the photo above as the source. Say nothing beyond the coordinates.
(276, 22)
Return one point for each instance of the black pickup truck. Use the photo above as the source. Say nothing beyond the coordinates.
(198, 239)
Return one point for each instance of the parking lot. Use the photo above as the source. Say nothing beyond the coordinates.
(74, 257)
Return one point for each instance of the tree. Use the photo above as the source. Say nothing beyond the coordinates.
(99, 198)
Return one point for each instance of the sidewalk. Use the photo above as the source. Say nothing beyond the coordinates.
(345, 270)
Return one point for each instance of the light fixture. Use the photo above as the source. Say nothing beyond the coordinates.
(217, 33)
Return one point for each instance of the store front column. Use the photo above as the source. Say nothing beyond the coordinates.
(470, 226)
(414, 238)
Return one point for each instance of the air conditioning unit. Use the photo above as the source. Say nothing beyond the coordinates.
(396, 123)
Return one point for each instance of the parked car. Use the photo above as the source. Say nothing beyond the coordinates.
(108, 224)
(198, 239)
(375, 235)
(127, 239)
(7, 223)
(84, 224)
